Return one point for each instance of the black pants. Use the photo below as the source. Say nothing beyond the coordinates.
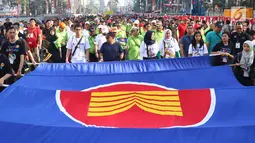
(63, 49)
(125, 57)
(55, 58)
(151, 58)
(93, 58)
(9, 81)
(246, 81)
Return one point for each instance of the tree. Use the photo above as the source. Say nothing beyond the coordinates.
(112, 4)
(10, 3)
(38, 7)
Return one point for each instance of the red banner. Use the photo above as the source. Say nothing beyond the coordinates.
(69, 4)
(152, 3)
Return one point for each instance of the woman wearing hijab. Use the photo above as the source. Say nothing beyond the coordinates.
(149, 47)
(51, 38)
(245, 64)
(169, 46)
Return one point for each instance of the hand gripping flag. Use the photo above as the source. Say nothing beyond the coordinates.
(162, 101)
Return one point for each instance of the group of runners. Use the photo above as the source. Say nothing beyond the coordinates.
(119, 38)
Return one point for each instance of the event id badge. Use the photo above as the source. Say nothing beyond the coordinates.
(238, 45)
(246, 71)
(31, 35)
(246, 74)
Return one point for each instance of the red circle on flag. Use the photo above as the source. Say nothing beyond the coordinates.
(137, 105)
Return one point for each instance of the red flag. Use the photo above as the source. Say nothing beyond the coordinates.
(153, 3)
(47, 6)
(69, 4)
(18, 2)
(55, 3)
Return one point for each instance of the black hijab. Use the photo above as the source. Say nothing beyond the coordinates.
(147, 38)
(51, 38)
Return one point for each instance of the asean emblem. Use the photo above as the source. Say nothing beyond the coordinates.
(137, 105)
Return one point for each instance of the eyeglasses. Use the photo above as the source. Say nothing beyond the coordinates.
(78, 29)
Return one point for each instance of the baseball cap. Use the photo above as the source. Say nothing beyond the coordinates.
(110, 34)
(87, 23)
(136, 22)
(134, 28)
(105, 29)
(185, 18)
(62, 25)
(219, 24)
(197, 26)
(100, 26)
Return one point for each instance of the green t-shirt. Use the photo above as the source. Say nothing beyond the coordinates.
(159, 36)
(122, 34)
(92, 44)
(213, 38)
(134, 44)
(128, 28)
(123, 27)
(62, 38)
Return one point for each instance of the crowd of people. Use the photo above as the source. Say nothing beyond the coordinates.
(119, 38)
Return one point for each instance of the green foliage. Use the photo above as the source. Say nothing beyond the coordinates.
(220, 3)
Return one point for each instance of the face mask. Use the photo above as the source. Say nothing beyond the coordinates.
(20, 25)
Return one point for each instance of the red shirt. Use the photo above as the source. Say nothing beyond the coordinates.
(33, 35)
(182, 29)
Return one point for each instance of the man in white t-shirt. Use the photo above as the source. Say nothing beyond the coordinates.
(86, 29)
(71, 32)
(79, 51)
(101, 39)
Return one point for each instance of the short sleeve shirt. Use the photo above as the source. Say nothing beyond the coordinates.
(213, 38)
(80, 54)
(13, 51)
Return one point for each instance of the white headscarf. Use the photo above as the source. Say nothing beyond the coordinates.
(165, 35)
(171, 42)
(247, 57)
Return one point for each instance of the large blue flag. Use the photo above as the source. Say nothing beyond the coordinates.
(163, 101)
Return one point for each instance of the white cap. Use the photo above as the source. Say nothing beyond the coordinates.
(134, 28)
(96, 20)
(136, 22)
(100, 26)
(154, 21)
(87, 23)
(105, 29)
